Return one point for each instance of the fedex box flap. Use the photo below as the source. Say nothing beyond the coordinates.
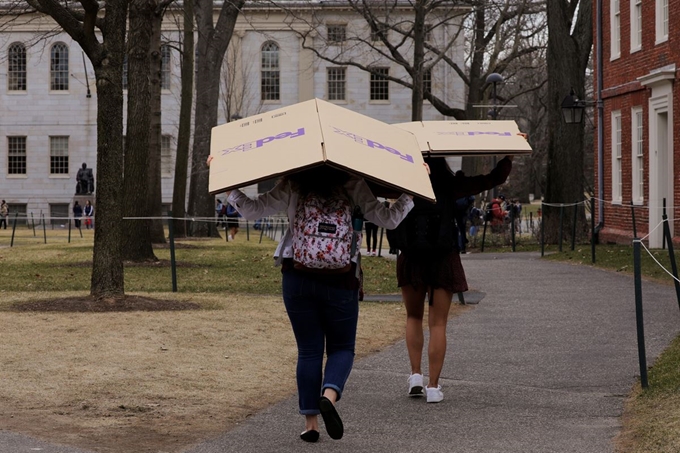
(468, 138)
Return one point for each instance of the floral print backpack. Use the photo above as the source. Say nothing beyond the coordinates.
(323, 236)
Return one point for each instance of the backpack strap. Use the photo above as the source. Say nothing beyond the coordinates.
(357, 223)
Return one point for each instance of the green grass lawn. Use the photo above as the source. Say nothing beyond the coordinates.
(203, 266)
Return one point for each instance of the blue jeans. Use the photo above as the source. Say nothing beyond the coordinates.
(320, 315)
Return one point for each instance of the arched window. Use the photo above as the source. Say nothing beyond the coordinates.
(59, 67)
(270, 74)
(165, 67)
(16, 72)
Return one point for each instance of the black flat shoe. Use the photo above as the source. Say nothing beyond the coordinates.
(331, 418)
(310, 436)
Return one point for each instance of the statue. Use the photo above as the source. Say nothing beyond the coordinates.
(84, 181)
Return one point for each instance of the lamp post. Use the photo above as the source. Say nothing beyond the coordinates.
(572, 108)
(494, 78)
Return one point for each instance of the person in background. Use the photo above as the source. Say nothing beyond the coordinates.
(4, 213)
(371, 237)
(461, 213)
(89, 213)
(323, 308)
(232, 223)
(219, 212)
(77, 213)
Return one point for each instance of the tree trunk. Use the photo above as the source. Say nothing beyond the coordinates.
(107, 263)
(136, 236)
(212, 45)
(418, 60)
(567, 57)
(207, 94)
(179, 192)
(157, 233)
(475, 165)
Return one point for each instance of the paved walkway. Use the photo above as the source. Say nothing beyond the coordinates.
(542, 364)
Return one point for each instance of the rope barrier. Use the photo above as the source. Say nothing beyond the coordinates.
(655, 260)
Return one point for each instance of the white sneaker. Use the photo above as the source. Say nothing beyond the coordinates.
(231, 238)
(415, 385)
(434, 395)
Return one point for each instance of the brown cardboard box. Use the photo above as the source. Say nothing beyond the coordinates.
(312, 133)
(468, 138)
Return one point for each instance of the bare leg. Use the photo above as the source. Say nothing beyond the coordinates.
(437, 319)
(414, 300)
(311, 422)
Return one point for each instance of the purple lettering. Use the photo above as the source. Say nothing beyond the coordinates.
(373, 144)
(300, 131)
(261, 142)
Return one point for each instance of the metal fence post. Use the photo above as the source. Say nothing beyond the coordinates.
(642, 355)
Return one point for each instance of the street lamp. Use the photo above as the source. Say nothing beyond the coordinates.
(494, 78)
(573, 108)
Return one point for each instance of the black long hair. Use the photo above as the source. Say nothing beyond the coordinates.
(323, 181)
(440, 174)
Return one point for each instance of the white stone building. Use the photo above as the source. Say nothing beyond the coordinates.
(48, 96)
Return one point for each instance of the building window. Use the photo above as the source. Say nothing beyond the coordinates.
(635, 25)
(661, 20)
(336, 33)
(638, 158)
(270, 74)
(59, 155)
(380, 86)
(428, 32)
(615, 35)
(617, 168)
(59, 213)
(16, 71)
(125, 72)
(166, 156)
(165, 67)
(16, 155)
(383, 29)
(59, 67)
(337, 83)
(427, 82)
(19, 211)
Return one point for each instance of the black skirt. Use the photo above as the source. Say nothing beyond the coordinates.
(446, 273)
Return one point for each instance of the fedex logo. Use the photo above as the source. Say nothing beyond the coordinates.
(259, 143)
(372, 144)
(471, 133)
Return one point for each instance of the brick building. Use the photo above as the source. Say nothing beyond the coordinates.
(48, 96)
(641, 151)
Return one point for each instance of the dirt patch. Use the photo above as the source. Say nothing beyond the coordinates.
(141, 381)
(89, 304)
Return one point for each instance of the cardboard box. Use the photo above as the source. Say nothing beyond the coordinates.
(468, 138)
(312, 133)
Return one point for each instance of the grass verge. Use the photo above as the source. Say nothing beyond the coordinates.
(651, 419)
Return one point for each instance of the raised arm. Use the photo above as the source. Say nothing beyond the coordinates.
(276, 200)
(464, 186)
(374, 211)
